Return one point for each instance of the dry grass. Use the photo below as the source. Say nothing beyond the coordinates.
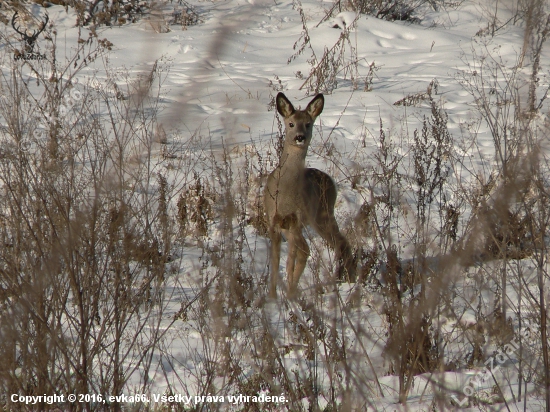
(98, 220)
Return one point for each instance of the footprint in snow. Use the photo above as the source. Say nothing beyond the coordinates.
(384, 43)
(185, 49)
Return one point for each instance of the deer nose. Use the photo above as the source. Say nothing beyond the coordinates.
(300, 138)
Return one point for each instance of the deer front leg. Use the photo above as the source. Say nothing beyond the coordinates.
(291, 257)
(298, 254)
(275, 237)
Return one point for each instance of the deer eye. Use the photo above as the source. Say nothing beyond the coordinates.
(307, 125)
(291, 124)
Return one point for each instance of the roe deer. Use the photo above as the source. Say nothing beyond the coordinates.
(296, 196)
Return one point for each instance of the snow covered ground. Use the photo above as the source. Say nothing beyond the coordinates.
(219, 81)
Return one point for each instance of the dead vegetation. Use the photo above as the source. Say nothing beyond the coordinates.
(103, 227)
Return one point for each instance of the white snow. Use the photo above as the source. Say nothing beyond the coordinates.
(217, 86)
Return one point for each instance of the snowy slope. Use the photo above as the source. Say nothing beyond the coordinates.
(220, 79)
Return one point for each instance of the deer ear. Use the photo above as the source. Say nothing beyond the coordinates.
(315, 107)
(284, 107)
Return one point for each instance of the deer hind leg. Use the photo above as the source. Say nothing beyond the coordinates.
(347, 263)
(275, 237)
(320, 195)
(298, 253)
(328, 229)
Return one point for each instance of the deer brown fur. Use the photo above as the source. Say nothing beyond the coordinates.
(296, 196)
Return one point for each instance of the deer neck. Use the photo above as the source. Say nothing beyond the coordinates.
(292, 163)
